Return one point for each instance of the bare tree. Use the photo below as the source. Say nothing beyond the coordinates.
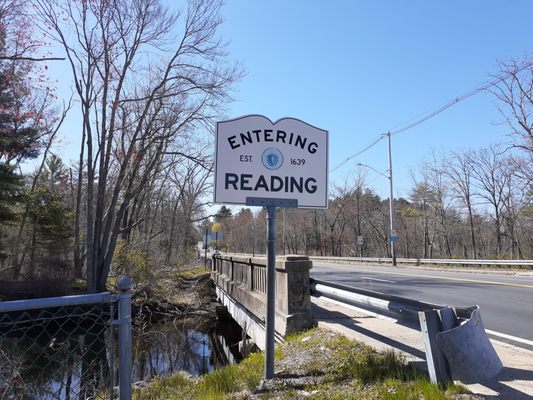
(515, 96)
(491, 179)
(459, 169)
(422, 197)
(144, 76)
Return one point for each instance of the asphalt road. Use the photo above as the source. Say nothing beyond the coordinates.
(506, 301)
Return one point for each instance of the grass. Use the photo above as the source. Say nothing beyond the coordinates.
(215, 385)
(317, 365)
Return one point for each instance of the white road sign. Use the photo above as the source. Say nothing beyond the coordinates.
(287, 159)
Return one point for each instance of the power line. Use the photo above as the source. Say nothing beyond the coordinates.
(376, 141)
(470, 93)
(421, 118)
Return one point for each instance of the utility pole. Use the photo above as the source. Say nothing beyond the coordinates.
(392, 233)
(392, 236)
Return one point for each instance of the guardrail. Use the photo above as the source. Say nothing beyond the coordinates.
(457, 346)
(434, 261)
(399, 307)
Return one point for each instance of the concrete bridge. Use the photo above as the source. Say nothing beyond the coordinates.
(241, 287)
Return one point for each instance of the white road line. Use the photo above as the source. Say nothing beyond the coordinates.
(376, 279)
(509, 337)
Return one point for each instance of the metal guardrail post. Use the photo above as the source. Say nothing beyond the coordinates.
(125, 356)
(430, 326)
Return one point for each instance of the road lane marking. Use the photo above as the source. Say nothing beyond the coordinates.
(443, 277)
(376, 279)
(509, 337)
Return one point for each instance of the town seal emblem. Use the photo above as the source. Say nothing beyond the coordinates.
(272, 158)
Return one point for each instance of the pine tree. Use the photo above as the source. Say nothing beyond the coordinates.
(19, 127)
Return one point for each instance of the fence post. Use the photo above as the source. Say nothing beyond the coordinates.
(124, 315)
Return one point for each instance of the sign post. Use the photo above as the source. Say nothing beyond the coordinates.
(282, 164)
(360, 243)
(271, 292)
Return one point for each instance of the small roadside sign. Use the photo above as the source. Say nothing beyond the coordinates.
(359, 240)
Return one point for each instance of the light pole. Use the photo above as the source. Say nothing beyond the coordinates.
(392, 234)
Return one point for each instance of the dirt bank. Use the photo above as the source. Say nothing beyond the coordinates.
(175, 295)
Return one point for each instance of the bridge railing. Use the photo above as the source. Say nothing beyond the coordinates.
(258, 278)
(244, 280)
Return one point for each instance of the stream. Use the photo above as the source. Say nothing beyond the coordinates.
(165, 349)
(72, 361)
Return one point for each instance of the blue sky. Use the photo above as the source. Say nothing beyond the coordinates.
(361, 68)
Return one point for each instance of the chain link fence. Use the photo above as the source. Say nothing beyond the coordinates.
(66, 347)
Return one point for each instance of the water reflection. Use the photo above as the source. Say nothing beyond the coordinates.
(190, 346)
(53, 355)
(72, 361)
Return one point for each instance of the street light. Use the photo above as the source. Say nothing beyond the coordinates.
(392, 236)
(373, 169)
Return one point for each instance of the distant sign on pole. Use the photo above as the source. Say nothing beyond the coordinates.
(359, 240)
(212, 236)
(258, 158)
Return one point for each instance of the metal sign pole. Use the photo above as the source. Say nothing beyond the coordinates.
(270, 205)
(271, 292)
